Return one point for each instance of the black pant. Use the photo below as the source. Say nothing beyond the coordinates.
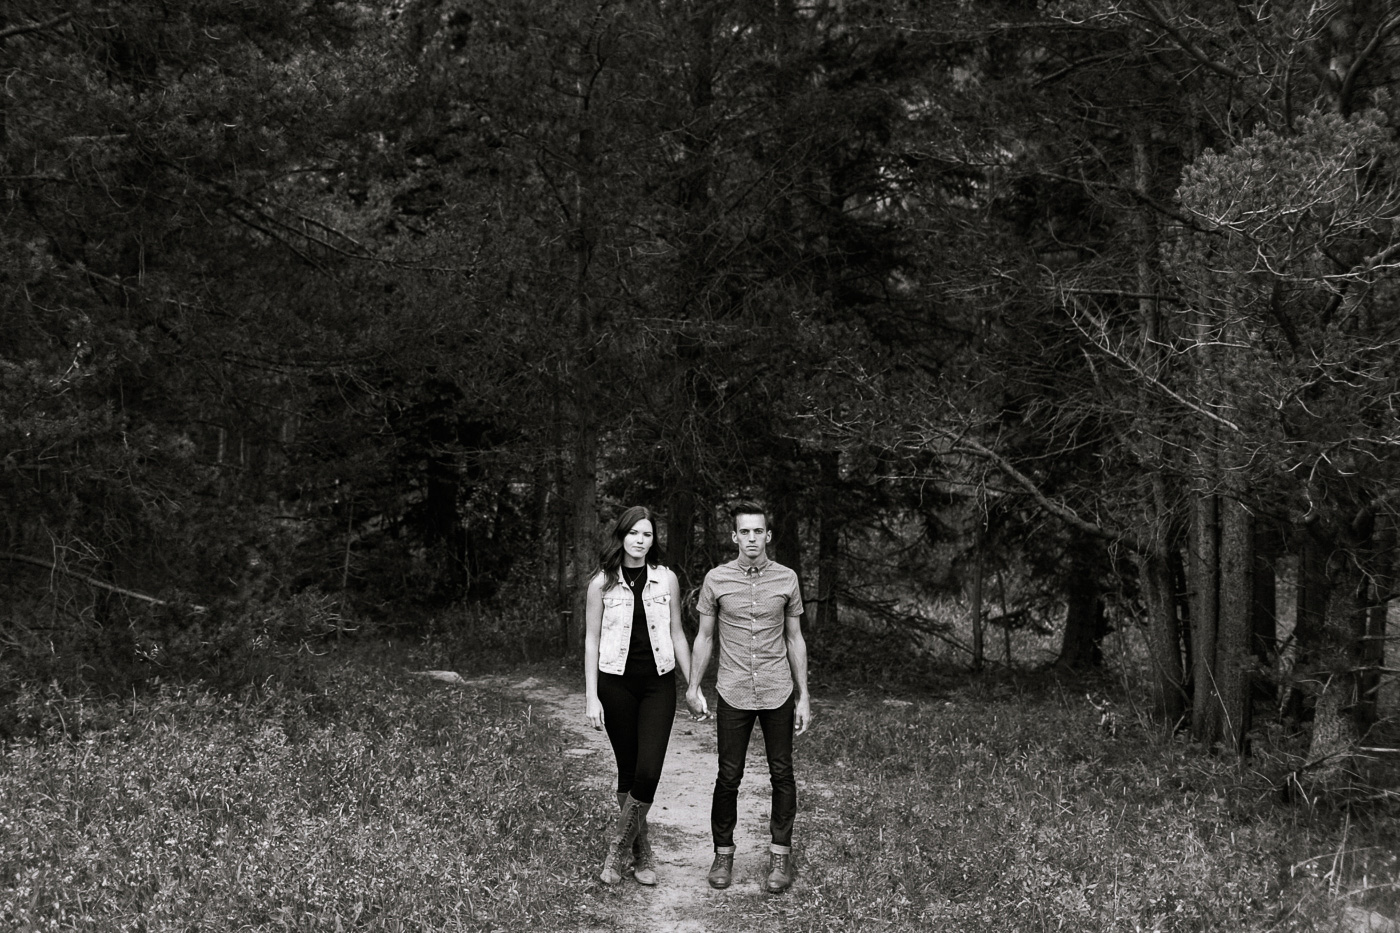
(734, 727)
(638, 710)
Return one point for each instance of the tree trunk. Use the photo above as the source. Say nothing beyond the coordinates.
(1168, 684)
(1335, 736)
(784, 508)
(1268, 545)
(828, 545)
(1204, 572)
(976, 612)
(443, 531)
(1233, 661)
(1371, 652)
(584, 485)
(585, 525)
(563, 533)
(1335, 661)
(1085, 623)
(680, 536)
(1005, 619)
(1168, 690)
(1310, 606)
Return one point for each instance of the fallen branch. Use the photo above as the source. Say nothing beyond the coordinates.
(19, 29)
(447, 677)
(887, 613)
(85, 578)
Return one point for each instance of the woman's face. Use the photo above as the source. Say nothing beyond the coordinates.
(638, 540)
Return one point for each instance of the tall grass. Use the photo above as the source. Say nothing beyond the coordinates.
(378, 803)
(988, 810)
(369, 800)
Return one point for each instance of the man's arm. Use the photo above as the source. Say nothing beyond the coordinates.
(700, 653)
(797, 660)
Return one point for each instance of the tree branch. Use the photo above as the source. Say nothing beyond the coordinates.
(1063, 512)
(1163, 209)
(1349, 82)
(1185, 44)
(85, 578)
(1156, 383)
(19, 29)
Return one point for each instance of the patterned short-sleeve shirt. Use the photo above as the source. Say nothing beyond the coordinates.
(751, 606)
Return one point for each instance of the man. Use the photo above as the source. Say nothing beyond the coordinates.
(757, 604)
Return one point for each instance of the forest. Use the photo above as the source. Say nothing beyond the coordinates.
(1058, 323)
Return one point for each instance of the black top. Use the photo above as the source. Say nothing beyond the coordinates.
(639, 656)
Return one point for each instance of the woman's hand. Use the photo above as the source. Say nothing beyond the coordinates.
(595, 713)
(696, 701)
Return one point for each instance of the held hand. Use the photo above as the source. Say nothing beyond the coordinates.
(698, 707)
(801, 716)
(595, 713)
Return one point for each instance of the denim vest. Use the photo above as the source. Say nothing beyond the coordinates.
(616, 635)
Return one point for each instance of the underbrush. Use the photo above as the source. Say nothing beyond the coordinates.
(993, 809)
(226, 645)
(373, 802)
(362, 798)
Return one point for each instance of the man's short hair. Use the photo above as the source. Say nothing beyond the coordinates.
(749, 508)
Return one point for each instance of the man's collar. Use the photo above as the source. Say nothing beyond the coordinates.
(753, 568)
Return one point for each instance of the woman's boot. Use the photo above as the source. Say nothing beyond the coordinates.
(643, 859)
(621, 803)
(629, 823)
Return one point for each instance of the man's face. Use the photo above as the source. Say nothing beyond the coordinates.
(752, 535)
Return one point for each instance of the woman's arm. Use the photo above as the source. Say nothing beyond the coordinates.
(593, 628)
(678, 640)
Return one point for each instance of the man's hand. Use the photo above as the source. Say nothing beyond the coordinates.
(696, 701)
(802, 715)
(595, 713)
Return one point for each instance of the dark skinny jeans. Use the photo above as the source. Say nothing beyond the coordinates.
(734, 727)
(638, 710)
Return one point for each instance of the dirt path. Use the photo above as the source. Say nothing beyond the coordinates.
(681, 901)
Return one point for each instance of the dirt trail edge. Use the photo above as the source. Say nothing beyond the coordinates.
(681, 901)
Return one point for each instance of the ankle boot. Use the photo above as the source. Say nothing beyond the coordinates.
(629, 823)
(779, 871)
(722, 871)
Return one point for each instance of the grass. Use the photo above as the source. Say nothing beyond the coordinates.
(380, 803)
(369, 800)
(993, 809)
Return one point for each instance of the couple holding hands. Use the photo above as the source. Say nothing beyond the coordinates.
(750, 610)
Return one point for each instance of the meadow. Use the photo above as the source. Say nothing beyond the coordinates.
(357, 797)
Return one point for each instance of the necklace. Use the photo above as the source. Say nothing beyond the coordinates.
(633, 574)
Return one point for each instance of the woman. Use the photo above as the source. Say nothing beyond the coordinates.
(634, 642)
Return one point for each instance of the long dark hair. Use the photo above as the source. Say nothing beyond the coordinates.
(610, 555)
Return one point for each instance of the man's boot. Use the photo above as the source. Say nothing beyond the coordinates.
(722, 871)
(629, 823)
(779, 869)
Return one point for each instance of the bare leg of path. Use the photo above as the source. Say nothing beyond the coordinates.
(682, 900)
